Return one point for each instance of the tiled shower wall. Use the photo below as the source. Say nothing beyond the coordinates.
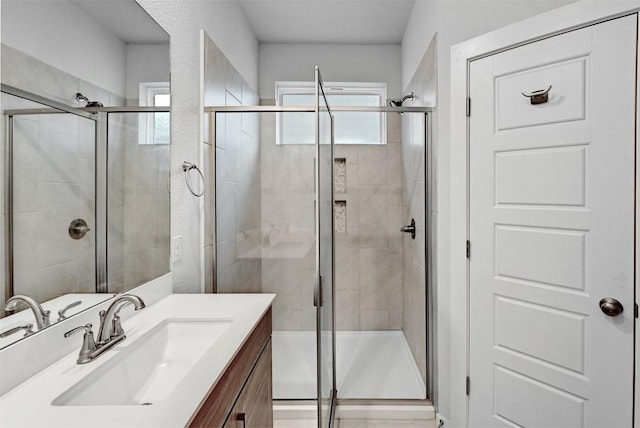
(237, 179)
(368, 263)
(55, 162)
(368, 250)
(142, 198)
(53, 184)
(415, 270)
(288, 242)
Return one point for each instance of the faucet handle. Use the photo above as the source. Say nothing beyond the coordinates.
(87, 329)
(116, 327)
(28, 330)
(88, 342)
(63, 311)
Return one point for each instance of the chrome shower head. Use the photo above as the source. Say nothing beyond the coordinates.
(82, 99)
(399, 101)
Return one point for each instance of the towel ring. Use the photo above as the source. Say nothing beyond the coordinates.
(186, 167)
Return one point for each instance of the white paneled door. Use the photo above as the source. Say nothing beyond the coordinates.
(552, 231)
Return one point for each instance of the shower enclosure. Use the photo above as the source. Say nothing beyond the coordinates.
(318, 224)
(86, 197)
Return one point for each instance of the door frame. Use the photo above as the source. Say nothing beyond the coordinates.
(571, 17)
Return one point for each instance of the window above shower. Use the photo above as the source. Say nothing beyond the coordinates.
(154, 128)
(350, 127)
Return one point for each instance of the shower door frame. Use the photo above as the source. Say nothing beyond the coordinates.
(213, 111)
(100, 116)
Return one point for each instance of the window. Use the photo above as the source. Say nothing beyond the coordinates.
(154, 127)
(350, 127)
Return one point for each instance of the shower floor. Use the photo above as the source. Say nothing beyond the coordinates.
(369, 365)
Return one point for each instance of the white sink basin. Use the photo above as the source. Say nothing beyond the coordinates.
(148, 370)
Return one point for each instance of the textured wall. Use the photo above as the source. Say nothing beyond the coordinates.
(227, 26)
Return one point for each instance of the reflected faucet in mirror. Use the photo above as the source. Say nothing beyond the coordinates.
(42, 316)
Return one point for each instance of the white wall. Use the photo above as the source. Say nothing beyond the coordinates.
(338, 63)
(146, 63)
(90, 52)
(453, 21)
(226, 24)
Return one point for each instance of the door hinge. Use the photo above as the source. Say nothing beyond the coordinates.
(635, 310)
(468, 106)
(468, 385)
(468, 249)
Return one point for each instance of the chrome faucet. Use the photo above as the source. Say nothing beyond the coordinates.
(42, 316)
(107, 336)
(112, 316)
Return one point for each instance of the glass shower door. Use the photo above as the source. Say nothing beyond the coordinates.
(324, 258)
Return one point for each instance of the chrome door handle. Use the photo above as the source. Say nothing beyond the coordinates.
(611, 307)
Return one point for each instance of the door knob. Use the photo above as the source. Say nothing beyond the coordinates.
(611, 307)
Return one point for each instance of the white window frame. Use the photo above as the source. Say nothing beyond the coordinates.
(146, 97)
(283, 88)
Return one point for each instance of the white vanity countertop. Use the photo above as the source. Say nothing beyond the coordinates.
(29, 404)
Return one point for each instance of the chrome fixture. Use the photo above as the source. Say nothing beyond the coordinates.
(89, 350)
(111, 316)
(28, 330)
(611, 307)
(42, 316)
(186, 167)
(398, 102)
(82, 99)
(61, 312)
(108, 337)
(78, 228)
(410, 229)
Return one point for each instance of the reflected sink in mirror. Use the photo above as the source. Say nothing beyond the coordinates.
(149, 369)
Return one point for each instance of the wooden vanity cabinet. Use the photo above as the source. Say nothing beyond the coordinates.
(242, 397)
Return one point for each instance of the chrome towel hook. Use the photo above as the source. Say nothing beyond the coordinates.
(540, 96)
(186, 167)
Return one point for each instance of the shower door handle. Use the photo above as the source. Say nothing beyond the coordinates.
(317, 293)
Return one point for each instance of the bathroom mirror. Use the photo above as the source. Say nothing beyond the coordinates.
(85, 157)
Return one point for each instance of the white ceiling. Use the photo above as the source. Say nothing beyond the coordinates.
(125, 19)
(328, 21)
